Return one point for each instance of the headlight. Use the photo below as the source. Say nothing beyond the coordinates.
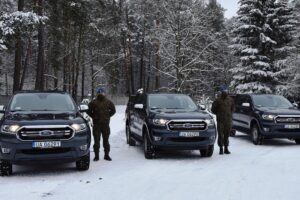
(210, 122)
(78, 127)
(160, 122)
(11, 129)
(268, 117)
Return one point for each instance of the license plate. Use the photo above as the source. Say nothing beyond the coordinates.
(44, 145)
(189, 134)
(292, 126)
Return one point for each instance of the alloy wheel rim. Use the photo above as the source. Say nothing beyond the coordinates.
(255, 135)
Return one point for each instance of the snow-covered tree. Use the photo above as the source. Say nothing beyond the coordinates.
(262, 43)
(188, 45)
(253, 73)
(282, 25)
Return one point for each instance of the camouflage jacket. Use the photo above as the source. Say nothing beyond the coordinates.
(101, 110)
(223, 108)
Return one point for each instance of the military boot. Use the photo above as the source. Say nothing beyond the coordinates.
(106, 157)
(221, 150)
(226, 151)
(96, 156)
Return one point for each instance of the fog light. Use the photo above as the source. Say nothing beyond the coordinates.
(266, 129)
(212, 137)
(156, 138)
(5, 150)
(83, 147)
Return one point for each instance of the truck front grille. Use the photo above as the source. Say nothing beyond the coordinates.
(288, 119)
(32, 133)
(187, 125)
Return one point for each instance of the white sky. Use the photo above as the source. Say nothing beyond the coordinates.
(231, 7)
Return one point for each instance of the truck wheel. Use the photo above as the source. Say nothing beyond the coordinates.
(129, 139)
(297, 141)
(256, 135)
(207, 152)
(5, 168)
(149, 150)
(83, 163)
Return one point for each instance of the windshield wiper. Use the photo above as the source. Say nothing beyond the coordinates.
(155, 108)
(18, 110)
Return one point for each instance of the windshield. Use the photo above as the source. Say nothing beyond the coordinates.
(275, 101)
(42, 102)
(166, 101)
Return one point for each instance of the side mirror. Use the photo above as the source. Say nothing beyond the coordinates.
(202, 106)
(246, 105)
(2, 108)
(295, 105)
(83, 108)
(138, 106)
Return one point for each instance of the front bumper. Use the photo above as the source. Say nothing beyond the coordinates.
(171, 139)
(276, 130)
(22, 152)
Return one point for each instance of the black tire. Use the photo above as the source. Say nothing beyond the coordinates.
(129, 139)
(256, 136)
(149, 150)
(83, 163)
(297, 141)
(207, 152)
(5, 168)
(232, 133)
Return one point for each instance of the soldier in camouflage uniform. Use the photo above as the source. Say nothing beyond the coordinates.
(223, 108)
(101, 110)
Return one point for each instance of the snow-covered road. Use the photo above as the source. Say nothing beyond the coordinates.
(270, 171)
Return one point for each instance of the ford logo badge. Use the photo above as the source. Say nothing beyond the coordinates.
(46, 133)
(188, 125)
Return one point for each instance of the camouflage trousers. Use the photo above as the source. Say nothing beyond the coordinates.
(104, 130)
(224, 129)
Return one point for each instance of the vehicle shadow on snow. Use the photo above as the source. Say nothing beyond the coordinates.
(43, 169)
(266, 142)
(174, 154)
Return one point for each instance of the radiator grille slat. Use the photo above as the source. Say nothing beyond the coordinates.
(187, 125)
(288, 119)
(31, 134)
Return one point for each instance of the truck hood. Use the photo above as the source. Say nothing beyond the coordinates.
(179, 114)
(41, 118)
(280, 111)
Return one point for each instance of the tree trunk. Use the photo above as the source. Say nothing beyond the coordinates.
(83, 76)
(18, 54)
(39, 83)
(6, 83)
(131, 75)
(92, 73)
(27, 58)
(66, 53)
(142, 66)
(157, 59)
(77, 67)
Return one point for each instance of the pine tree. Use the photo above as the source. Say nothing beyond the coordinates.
(253, 73)
(282, 25)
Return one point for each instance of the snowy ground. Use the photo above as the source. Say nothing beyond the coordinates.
(250, 172)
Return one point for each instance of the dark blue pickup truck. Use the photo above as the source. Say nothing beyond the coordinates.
(169, 121)
(43, 127)
(266, 116)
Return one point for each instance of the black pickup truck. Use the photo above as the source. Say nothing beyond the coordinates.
(169, 121)
(266, 116)
(43, 127)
